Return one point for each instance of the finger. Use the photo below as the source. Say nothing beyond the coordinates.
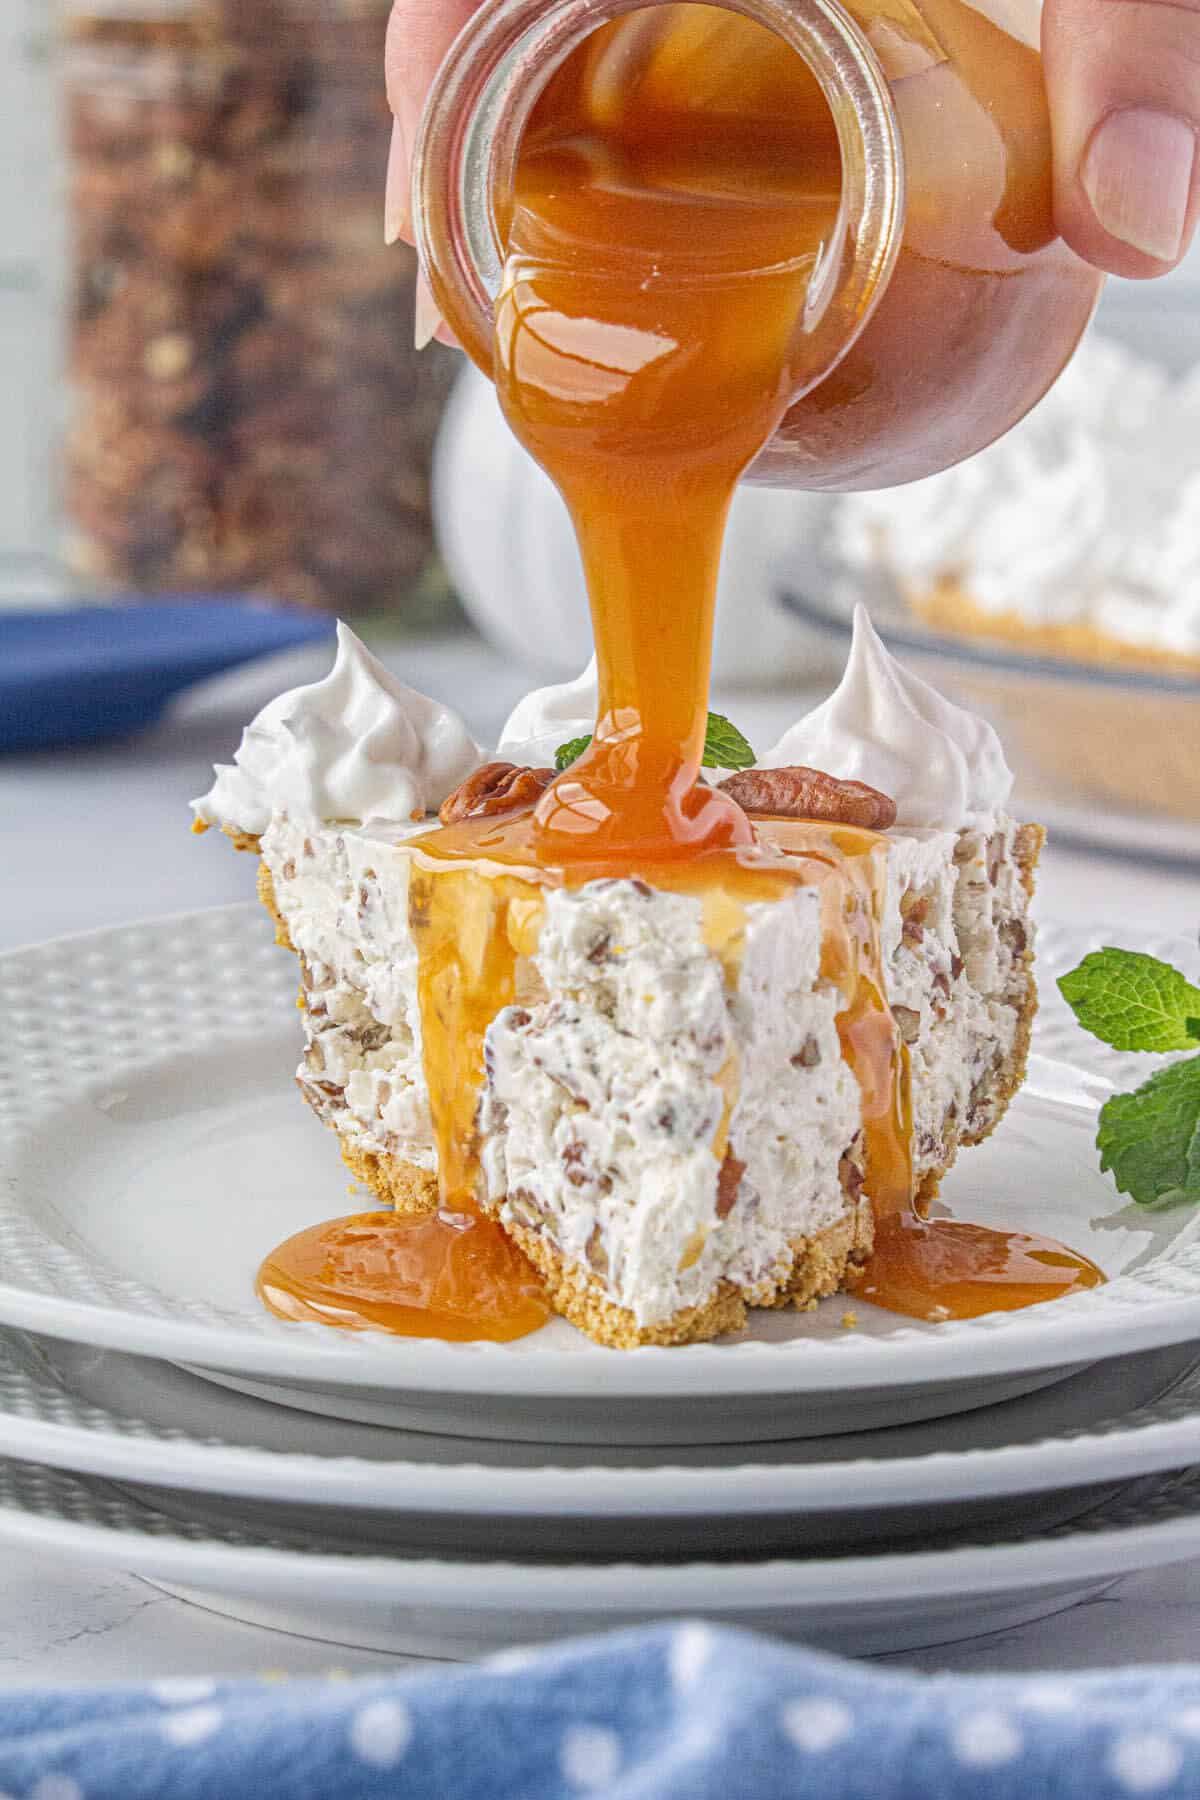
(419, 34)
(397, 197)
(1124, 84)
(428, 324)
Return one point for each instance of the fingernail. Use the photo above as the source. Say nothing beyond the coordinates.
(427, 316)
(396, 206)
(1137, 173)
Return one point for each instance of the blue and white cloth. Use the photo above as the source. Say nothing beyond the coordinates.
(681, 1710)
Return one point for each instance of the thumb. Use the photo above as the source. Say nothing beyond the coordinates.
(1124, 85)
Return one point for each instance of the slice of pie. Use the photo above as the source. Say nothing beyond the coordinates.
(670, 1131)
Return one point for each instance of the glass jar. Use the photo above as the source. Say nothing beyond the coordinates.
(945, 304)
(30, 296)
(250, 412)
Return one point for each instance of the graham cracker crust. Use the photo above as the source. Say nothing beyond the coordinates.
(266, 893)
(949, 608)
(404, 1186)
(1027, 848)
(1010, 1073)
(818, 1268)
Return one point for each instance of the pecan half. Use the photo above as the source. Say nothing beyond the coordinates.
(799, 793)
(498, 787)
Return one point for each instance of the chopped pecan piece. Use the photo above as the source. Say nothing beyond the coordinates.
(527, 1211)
(914, 914)
(1013, 933)
(799, 793)
(498, 787)
(909, 1023)
(728, 1183)
(596, 1253)
(851, 1175)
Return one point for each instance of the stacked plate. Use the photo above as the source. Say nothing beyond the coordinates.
(862, 1481)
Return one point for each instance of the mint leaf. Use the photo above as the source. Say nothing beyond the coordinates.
(725, 747)
(1150, 1139)
(570, 752)
(1133, 1001)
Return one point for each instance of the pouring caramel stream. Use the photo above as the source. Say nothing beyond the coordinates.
(649, 340)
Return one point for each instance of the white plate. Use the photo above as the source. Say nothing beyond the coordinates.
(136, 1420)
(469, 1606)
(152, 1149)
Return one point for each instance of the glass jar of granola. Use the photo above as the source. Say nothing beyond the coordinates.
(249, 411)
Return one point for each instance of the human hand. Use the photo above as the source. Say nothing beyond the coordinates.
(1124, 85)
(419, 34)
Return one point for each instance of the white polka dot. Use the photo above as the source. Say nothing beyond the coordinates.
(380, 1733)
(589, 1756)
(1145, 1762)
(56, 1787)
(191, 1726)
(690, 1649)
(816, 1725)
(986, 1740)
(183, 1690)
(1050, 1697)
(1188, 1721)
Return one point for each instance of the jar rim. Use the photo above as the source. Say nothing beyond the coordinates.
(465, 156)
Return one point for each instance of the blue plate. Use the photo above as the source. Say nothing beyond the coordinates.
(92, 672)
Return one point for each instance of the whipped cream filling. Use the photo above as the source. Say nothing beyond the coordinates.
(943, 767)
(1087, 512)
(358, 746)
(549, 717)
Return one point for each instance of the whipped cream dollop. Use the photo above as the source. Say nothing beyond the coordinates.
(548, 718)
(943, 767)
(1086, 512)
(358, 746)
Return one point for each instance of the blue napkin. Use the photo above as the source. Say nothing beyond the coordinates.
(77, 675)
(683, 1711)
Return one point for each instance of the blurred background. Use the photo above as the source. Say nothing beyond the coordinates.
(212, 393)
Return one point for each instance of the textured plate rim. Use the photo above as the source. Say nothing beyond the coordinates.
(187, 1462)
(1070, 1554)
(999, 1345)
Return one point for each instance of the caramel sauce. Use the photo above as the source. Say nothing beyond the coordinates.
(451, 1275)
(949, 1269)
(678, 186)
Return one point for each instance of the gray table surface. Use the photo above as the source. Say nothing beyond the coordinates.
(99, 837)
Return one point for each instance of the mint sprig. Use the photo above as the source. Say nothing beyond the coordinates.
(570, 752)
(1133, 1002)
(724, 748)
(1149, 1139)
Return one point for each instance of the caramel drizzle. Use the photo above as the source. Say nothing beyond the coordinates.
(476, 919)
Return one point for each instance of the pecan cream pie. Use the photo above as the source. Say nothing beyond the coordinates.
(1076, 535)
(671, 1132)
